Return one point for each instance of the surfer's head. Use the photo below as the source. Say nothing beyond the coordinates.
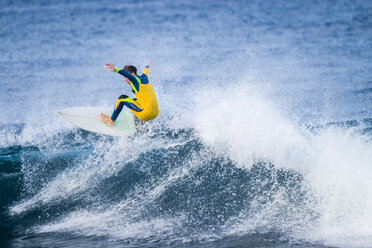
(131, 69)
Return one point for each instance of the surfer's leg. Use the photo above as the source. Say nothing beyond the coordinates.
(122, 101)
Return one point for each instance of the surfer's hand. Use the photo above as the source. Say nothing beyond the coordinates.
(110, 67)
(148, 63)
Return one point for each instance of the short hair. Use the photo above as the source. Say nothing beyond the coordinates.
(131, 69)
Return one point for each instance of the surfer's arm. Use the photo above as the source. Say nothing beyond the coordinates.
(123, 72)
(127, 75)
(146, 70)
(132, 79)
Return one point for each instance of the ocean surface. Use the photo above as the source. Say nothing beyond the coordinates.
(264, 137)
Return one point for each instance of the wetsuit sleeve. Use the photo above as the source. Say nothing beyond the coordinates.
(132, 79)
(146, 71)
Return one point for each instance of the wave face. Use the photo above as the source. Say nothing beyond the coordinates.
(263, 137)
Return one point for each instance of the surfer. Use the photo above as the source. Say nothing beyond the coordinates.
(145, 105)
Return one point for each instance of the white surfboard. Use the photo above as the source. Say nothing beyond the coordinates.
(87, 118)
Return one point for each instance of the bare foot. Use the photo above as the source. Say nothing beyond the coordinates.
(106, 120)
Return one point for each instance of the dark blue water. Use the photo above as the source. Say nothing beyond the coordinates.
(263, 137)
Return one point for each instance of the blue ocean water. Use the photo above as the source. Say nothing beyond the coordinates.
(263, 137)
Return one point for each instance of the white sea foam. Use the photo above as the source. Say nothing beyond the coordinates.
(336, 164)
(247, 128)
(123, 220)
(102, 163)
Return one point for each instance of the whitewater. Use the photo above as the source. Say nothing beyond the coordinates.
(263, 137)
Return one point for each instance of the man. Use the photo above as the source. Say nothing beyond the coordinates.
(145, 105)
